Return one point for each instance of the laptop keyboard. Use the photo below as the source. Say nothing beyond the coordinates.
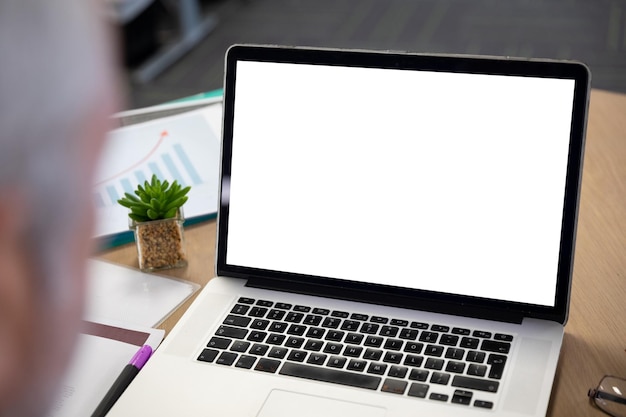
(396, 356)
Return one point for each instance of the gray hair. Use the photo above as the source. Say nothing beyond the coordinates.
(56, 68)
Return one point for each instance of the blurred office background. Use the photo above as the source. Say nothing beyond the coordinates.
(592, 31)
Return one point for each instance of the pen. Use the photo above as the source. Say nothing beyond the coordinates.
(123, 381)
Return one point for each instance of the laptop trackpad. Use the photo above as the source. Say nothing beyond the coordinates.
(289, 404)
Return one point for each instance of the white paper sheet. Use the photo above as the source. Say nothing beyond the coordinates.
(129, 296)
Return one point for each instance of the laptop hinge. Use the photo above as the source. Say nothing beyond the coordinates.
(431, 304)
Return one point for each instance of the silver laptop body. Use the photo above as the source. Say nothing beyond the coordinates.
(395, 238)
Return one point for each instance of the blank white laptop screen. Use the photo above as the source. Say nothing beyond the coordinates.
(438, 181)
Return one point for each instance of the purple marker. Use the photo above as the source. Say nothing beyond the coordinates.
(122, 382)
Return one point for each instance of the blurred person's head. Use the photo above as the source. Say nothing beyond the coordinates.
(57, 91)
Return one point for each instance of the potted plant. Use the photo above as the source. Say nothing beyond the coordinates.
(156, 216)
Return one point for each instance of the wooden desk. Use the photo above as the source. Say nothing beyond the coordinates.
(595, 336)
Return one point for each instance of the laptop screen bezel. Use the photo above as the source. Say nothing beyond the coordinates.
(402, 297)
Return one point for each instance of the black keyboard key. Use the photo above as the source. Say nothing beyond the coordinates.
(495, 346)
(475, 356)
(257, 336)
(438, 397)
(259, 324)
(418, 390)
(393, 357)
(419, 325)
(460, 331)
(276, 339)
(449, 339)
(354, 338)
(321, 311)
(429, 337)
(469, 343)
(331, 322)
(315, 333)
(232, 332)
(245, 362)
(314, 345)
(283, 306)
(394, 386)
(377, 368)
(292, 317)
(370, 328)
(372, 354)
(302, 309)
(433, 350)
(226, 358)
(393, 344)
(340, 314)
(389, 331)
(503, 337)
(408, 334)
(330, 375)
(245, 300)
(336, 362)
(259, 349)
(353, 351)
(483, 404)
(240, 346)
(350, 325)
(414, 347)
(317, 359)
(439, 378)
(476, 370)
(378, 319)
(267, 365)
(419, 375)
(398, 371)
(361, 317)
(239, 321)
(296, 330)
(432, 363)
(482, 334)
(497, 363)
(297, 355)
(373, 341)
(278, 327)
(312, 320)
(333, 348)
(294, 342)
(277, 352)
(276, 314)
(218, 343)
(356, 365)
(258, 312)
(455, 367)
(208, 355)
(462, 397)
(334, 335)
(475, 383)
(240, 309)
(400, 323)
(413, 360)
(264, 303)
(455, 353)
(439, 328)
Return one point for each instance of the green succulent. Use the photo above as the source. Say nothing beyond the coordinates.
(155, 200)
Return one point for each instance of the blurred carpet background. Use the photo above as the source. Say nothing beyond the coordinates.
(591, 31)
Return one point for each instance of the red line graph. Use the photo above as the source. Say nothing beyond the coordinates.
(149, 155)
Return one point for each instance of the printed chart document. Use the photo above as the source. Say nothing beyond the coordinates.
(183, 147)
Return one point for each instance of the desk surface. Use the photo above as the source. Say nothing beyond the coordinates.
(595, 335)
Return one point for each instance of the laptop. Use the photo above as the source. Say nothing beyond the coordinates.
(395, 237)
